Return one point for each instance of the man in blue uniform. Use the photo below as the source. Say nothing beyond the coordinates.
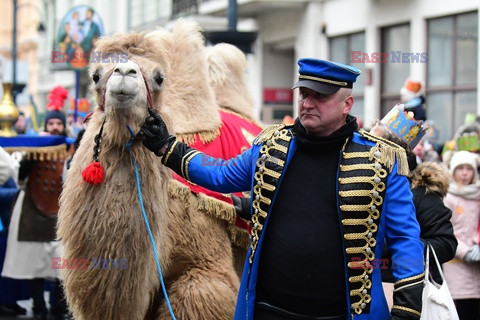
(324, 197)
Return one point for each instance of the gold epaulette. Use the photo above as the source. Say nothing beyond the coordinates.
(389, 152)
(268, 132)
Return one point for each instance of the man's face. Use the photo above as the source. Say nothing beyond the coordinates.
(322, 114)
(55, 126)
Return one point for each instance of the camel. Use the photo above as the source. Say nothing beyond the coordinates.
(226, 139)
(165, 70)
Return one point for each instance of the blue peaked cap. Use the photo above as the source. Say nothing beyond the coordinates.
(325, 76)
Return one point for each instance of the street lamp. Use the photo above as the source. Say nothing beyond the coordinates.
(243, 40)
(17, 88)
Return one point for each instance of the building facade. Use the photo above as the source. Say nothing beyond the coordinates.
(434, 41)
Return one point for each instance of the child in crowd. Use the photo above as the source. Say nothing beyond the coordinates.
(463, 273)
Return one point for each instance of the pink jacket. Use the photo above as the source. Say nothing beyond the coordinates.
(463, 278)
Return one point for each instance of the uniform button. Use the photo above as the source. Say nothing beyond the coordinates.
(373, 208)
(277, 132)
(369, 235)
(375, 194)
(368, 250)
(264, 157)
(255, 225)
(378, 166)
(256, 211)
(370, 221)
(363, 305)
(259, 183)
(376, 179)
(261, 169)
(366, 277)
(364, 291)
(377, 154)
(269, 143)
(257, 197)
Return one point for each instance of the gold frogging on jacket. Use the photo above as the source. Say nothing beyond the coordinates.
(362, 186)
(269, 167)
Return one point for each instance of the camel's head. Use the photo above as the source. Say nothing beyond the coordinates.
(126, 78)
(163, 69)
(227, 66)
(126, 87)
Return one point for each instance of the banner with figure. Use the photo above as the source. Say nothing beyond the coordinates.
(77, 33)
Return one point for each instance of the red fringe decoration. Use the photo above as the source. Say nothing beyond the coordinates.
(93, 173)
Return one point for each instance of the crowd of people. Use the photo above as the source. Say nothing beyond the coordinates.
(29, 194)
(341, 217)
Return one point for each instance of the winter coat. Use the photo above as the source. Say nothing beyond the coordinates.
(429, 186)
(463, 278)
(429, 182)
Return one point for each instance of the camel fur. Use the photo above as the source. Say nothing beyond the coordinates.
(105, 221)
(226, 69)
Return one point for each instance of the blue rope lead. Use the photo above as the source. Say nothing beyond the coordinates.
(152, 240)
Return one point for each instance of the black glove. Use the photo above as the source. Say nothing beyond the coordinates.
(154, 133)
(242, 206)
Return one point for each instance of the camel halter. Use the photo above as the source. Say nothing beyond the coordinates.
(94, 172)
(142, 207)
(147, 224)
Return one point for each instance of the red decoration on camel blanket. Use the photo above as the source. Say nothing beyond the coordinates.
(93, 173)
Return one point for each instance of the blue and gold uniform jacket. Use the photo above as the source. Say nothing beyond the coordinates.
(374, 203)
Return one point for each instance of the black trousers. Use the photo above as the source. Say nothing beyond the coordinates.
(58, 302)
(265, 311)
(468, 309)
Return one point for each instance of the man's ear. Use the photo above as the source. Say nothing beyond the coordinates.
(347, 104)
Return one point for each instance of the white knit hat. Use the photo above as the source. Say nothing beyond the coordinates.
(465, 157)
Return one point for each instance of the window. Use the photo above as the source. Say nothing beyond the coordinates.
(452, 71)
(395, 40)
(341, 51)
(147, 11)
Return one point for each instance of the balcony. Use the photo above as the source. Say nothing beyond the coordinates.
(184, 7)
(245, 8)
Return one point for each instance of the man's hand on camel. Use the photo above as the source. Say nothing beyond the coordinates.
(154, 133)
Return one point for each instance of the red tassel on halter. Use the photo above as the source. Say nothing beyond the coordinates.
(93, 173)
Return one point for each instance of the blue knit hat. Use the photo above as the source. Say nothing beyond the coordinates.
(55, 114)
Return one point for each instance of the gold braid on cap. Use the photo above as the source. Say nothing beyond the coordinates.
(338, 83)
